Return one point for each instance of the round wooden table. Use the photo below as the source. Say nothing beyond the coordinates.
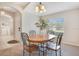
(41, 39)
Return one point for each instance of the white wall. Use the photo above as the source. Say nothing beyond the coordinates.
(28, 22)
(71, 25)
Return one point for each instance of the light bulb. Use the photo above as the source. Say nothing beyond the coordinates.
(44, 10)
(42, 7)
(2, 12)
(41, 11)
(37, 8)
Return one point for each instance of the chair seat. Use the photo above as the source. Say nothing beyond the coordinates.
(53, 46)
(31, 48)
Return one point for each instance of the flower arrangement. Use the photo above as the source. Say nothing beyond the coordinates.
(42, 24)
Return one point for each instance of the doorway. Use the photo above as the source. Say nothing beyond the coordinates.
(10, 26)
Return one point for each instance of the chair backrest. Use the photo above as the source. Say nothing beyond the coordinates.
(50, 32)
(59, 38)
(25, 38)
(32, 32)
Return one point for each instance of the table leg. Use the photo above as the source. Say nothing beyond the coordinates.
(43, 49)
(39, 48)
(29, 49)
(46, 47)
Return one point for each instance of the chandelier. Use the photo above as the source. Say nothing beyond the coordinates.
(40, 8)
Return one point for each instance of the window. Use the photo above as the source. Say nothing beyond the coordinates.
(56, 25)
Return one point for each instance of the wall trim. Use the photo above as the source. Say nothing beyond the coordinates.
(70, 43)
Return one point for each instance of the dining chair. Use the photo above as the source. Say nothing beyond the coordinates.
(26, 46)
(57, 45)
(50, 32)
(32, 32)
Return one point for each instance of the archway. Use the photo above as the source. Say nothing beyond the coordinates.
(10, 26)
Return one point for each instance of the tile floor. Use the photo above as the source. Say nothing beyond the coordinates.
(67, 50)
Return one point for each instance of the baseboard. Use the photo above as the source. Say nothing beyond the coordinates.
(70, 43)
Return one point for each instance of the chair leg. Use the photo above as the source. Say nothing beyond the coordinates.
(39, 49)
(56, 52)
(46, 48)
(29, 54)
(60, 52)
(39, 52)
(29, 49)
(23, 53)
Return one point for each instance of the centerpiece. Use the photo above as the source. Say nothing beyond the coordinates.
(42, 25)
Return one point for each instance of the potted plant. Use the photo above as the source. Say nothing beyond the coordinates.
(42, 25)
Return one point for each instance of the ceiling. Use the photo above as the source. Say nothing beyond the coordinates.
(17, 5)
(52, 7)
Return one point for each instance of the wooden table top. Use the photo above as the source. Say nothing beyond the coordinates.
(41, 38)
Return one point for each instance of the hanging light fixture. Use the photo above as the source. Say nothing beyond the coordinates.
(40, 8)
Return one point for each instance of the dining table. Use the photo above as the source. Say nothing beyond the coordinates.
(41, 39)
